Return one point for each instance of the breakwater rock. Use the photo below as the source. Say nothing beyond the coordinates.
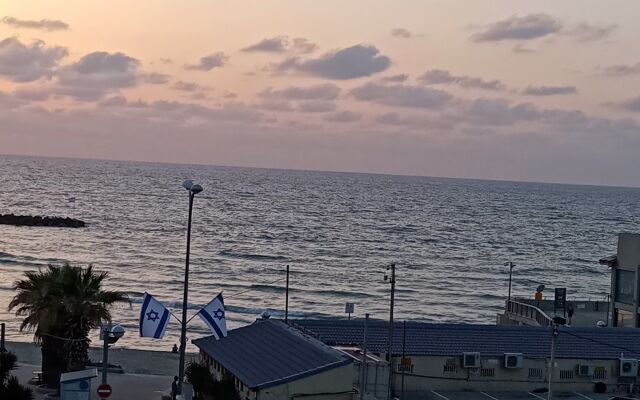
(28, 220)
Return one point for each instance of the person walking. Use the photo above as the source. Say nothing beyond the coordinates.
(570, 313)
(174, 388)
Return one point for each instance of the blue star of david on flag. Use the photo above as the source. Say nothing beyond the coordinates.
(154, 318)
(214, 316)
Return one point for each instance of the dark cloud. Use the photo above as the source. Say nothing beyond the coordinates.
(43, 24)
(586, 32)
(395, 78)
(438, 76)
(531, 26)
(401, 95)
(31, 94)
(622, 70)
(342, 116)
(402, 33)
(632, 104)
(281, 44)
(317, 92)
(207, 63)
(350, 63)
(549, 90)
(186, 86)
(98, 74)
(156, 78)
(25, 63)
(316, 106)
(499, 112)
(276, 105)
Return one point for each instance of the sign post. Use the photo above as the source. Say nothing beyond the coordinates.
(348, 309)
(104, 391)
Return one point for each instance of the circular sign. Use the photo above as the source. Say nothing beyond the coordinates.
(104, 391)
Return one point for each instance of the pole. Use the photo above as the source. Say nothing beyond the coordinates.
(105, 353)
(364, 369)
(392, 281)
(2, 348)
(185, 299)
(286, 299)
(404, 343)
(554, 335)
(510, 273)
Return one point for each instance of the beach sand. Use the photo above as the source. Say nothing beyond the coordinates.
(147, 374)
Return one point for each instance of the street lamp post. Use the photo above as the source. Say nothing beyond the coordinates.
(392, 280)
(193, 190)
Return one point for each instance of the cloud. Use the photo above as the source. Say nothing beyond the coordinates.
(207, 63)
(549, 90)
(498, 112)
(586, 32)
(156, 78)
(281, 44)
(401, 95)
(316, 106)
(632, 104)
(350, 63)
(531, 26)
(317, 92)
(395, 78)
(402, 33)
(438, 76)
(186, 86)
(30, 94)
(342, 116)
(98, 74)
(43, 24)
(622, 70)
(26, 63)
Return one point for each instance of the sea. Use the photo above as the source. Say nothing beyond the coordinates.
(337, 232)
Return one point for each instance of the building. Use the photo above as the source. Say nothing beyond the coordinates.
(270, 360)
(625, 280)
(453, 357)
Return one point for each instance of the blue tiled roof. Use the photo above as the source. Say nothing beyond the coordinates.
(269, 353)
(428, 339)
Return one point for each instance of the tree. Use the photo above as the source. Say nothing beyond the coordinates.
(10, 388)
(61, 304)
(199, 376)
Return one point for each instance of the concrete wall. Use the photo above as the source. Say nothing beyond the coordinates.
(338, 380)
(628, 251)
(429, 374)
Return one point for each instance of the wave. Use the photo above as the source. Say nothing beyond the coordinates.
(245, 256)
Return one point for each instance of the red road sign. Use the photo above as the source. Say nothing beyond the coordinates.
(104, 391)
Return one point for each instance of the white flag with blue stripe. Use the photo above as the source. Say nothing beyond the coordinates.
(214, 316)
(154, 317)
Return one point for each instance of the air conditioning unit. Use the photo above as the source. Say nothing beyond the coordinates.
(513, 360)
(628, 367)
(585, 370)
(471, 360)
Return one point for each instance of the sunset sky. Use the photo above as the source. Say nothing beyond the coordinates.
(514, 89)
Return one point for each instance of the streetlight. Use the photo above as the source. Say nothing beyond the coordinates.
(510, 265)
(392, 280)
(193, 190)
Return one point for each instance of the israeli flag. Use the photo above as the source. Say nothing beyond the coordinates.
(154, 318)
(213, 315)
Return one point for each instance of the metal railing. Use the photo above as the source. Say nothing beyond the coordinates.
(528, 312)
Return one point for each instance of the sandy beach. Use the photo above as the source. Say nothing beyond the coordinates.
(147, 374)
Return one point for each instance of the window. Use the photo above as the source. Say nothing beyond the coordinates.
(566, 374)
(625, 286)
(600, 373)
(535, 372)
(487, 372)
(450, 369)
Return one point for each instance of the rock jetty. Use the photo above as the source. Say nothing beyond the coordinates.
(28, 220)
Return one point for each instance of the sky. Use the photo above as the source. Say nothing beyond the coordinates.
(514, 89)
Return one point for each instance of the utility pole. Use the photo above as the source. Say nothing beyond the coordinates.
(105, 352)
(404, 344)
(364, 369)
(510, 265)
(286, 299)
(554, 336)
(2, 348)
(392, 280)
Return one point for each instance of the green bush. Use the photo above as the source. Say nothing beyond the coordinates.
(10, 388)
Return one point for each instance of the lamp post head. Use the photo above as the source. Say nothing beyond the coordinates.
(187, 184)
(195, 189)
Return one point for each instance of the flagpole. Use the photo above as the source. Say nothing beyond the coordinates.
(286, 301)
(193, 190)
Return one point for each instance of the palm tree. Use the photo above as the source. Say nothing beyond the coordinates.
(61, 304)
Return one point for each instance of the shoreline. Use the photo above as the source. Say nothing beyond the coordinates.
(133, 361)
